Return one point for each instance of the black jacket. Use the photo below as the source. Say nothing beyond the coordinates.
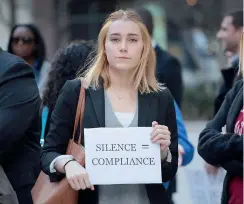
(225, 150)
(19, 124)
(168, 72)
(152, 107)
(229, 77)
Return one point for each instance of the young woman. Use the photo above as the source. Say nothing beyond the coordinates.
(26, 42)
(67, 62)
(122, 91)
(225, 149)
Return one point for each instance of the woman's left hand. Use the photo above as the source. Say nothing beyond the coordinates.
(160, 134)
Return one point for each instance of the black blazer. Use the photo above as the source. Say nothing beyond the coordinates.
(225, 150)
(168, 72)
(152, 107)
(19, 122)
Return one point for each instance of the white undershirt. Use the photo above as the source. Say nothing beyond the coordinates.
(124, 118)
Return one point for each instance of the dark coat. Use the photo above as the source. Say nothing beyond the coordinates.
(19, 125)
(230, 76)
(168, 72)
(225, 150)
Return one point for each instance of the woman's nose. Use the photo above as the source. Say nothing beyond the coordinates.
(123, 47)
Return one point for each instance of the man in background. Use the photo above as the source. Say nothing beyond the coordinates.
(229, 35)
(168, 68)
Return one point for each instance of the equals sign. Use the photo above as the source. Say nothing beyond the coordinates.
(145, 146)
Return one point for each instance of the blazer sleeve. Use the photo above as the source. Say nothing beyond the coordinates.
(19, 106)
(213, 146)
(169, 169)
(61, 127)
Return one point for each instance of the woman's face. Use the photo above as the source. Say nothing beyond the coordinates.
(23, 42)
(123, 45)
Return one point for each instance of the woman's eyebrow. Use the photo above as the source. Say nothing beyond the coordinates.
(129, 34)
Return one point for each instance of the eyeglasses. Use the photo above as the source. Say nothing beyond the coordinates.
(25, 40)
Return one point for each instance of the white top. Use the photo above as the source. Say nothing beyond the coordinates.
(124, 118)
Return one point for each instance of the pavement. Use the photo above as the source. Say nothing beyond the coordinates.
(186, 194)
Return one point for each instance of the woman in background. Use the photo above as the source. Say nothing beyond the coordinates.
(26, 42)
(225, 149)
(67, 62)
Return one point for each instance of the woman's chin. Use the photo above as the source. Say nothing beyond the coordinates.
(123, 67)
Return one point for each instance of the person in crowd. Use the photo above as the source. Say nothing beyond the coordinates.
(185, 147)
(168, 68)
(19, 125)
(229, 35)
(168, 72)
(26, 42)
(66, 64)
(225, 148)
(121, 91)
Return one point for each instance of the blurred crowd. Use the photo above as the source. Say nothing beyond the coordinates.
(31, 98)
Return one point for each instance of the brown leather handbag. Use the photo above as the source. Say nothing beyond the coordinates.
(47, 192)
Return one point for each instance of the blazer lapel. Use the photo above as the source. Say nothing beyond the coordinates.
(97, 98)
(147, 107)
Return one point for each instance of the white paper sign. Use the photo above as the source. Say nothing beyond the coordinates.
(122, 156)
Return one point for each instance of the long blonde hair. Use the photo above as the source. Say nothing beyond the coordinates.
(143, 75)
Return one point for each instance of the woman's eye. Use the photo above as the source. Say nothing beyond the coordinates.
(115, 40)
(133, 40)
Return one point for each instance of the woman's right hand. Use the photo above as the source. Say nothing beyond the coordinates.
(77, 176)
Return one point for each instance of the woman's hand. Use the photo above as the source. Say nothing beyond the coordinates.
(161, 135)
(77, 176)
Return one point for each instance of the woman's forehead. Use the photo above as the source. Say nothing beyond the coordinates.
(23, 30)
(124, 27)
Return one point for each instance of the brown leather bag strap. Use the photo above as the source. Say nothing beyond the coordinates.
(79, 112)
(82, 110)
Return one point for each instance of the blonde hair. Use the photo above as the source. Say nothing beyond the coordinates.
(143, 75)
